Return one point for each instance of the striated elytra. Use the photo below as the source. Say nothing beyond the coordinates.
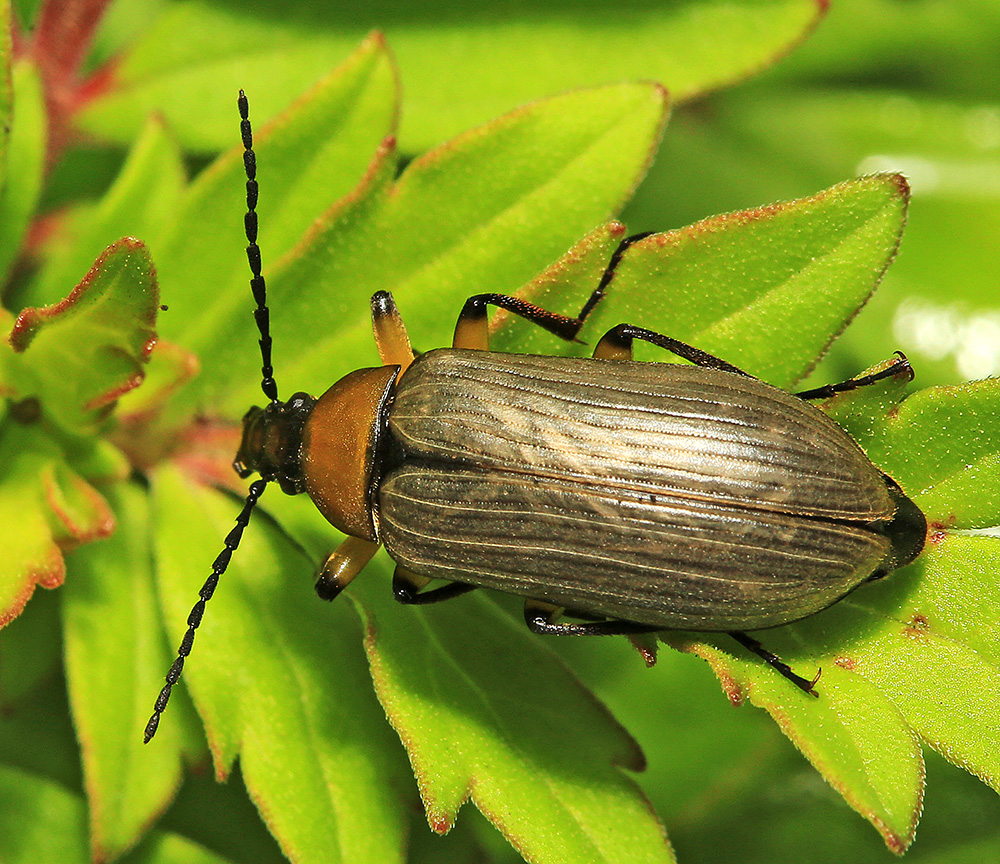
(667, 495)
(631, 496)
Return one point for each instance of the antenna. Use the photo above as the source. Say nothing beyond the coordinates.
(262, 317)
(207, 590)
(261, 314)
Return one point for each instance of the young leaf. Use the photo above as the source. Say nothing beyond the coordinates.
(141, 200)
(767, 289)
(6, 87)
(29, 649)
(916, 648)
(41, 820)
(78, 356)
(311, 155)
(45, 507)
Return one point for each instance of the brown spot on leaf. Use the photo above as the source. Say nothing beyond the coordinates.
(937, 530)
(917, 627)
(845, 663)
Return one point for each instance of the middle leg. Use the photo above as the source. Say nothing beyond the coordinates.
(471, 329)
(616, 344)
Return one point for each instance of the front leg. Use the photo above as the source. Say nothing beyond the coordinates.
(471, 330)
(349, 559)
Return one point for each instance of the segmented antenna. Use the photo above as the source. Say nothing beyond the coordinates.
(261, 314)
(207, 590)
(262, 317)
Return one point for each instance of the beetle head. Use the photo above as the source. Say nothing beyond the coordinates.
(272, 442)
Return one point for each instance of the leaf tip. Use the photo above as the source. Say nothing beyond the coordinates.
(49, 573)
(902, 185)
(440, 823)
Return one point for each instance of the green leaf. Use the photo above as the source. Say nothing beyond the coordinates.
(43, 821)
(143, 197)
(917, 44)
(114, 647)
(280, 680)
(944, 444)
(916, 650)
(21, 184)
(767, 289)
(29, 649)
(40, 820)
(37, 736)
(45, 507)
(499, 203)
(309, 157)
(489, 712)
(78, 356)
(938, 302)
(6, 87)
(496, 59)
(858, 740)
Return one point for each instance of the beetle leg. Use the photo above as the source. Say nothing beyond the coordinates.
(391, 338)
(616, 344)
(406, 587)
(540, 618)
(776, 662)
(471, 329)
(899, 366)
(343, 565)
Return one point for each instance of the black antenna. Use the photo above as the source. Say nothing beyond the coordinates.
(261, 314)
(262, 317)
(194, 619)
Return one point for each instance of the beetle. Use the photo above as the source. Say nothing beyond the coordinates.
(634, 496)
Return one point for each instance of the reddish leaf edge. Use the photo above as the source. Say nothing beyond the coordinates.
(820, 11)
(49, 570)
(33, 318)
(717, 660)
(442, 821)
(47, 573)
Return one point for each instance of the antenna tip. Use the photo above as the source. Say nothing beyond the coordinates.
(150, 731)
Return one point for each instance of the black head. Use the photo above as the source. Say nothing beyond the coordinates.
(272, 442)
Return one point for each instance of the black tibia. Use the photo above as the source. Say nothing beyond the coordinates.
(618, 342)
(473, 314)
(900, 366)
(776, 662)
(406, 588)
